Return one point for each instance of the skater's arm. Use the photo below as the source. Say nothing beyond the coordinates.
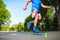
(44, 6)
(25, 6)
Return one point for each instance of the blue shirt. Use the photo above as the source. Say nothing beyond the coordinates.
(36, 5)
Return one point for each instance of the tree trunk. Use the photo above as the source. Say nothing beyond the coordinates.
(58, 13)
(0, 27)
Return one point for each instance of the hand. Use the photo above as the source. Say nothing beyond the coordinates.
(24, 8)
(50, 7)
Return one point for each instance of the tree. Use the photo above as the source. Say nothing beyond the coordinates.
(4, 14)
(18, 27)
(4, 27)
(57, 5)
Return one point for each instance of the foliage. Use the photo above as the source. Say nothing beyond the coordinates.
(4, 14)
(17, 27)
(4, 27)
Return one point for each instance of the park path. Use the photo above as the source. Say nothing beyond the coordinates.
(52, 35)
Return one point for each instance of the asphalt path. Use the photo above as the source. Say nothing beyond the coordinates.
(51, 35)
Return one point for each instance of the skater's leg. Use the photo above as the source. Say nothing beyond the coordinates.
(35, 16)
(35, 24)
(36, 20)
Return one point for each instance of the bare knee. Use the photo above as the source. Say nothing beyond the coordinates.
(34, 12)
(39, 16)
(33, 15)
